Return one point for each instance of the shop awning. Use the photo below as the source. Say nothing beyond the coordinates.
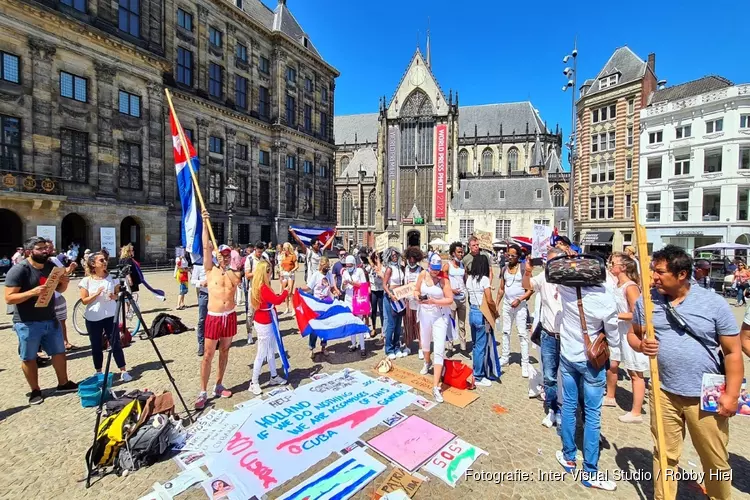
(598, 238)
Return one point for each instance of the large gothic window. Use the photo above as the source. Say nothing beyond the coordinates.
(417, 130)
(558, 197)
(487, 165)
(463, 161)
(512, 160)
(344, 164)
(347, 215)
(371, 209)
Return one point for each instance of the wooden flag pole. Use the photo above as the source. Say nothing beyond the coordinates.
(185, 148)
(648, 314)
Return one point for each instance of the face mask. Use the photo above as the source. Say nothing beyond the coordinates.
(39, 258)
(413, 266)
(456, 258)
(350, 269)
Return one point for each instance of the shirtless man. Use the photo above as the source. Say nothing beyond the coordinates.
(221, 321)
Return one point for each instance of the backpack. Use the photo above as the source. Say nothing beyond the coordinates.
(147, 445)
(165, 324)
(122, 400)
(111, 435)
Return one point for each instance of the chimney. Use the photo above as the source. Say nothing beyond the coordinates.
(652, 62)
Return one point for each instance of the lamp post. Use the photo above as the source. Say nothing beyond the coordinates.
(231, 190)
(355, 210)
(571, 74)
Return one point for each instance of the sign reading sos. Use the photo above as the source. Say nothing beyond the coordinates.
(447, 454)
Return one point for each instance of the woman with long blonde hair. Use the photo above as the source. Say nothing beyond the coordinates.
(264, 320)
(289, 265)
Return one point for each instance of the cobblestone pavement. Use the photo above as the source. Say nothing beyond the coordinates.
(42, 447)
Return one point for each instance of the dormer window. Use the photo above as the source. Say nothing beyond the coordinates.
(608, 81)
(466, 195)
(502, 194)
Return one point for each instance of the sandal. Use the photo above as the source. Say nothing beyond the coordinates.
(71, 348)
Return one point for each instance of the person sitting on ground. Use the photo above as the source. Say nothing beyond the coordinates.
(98, 292)
(37, 326)
(221, 321)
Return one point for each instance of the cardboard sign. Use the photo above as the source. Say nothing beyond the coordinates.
(381, 242)
(423, 383)
(411, 443)
(398, 479)
(485, 239)
(404, 292)
(451, 462)
(49, 287)
(540, 240)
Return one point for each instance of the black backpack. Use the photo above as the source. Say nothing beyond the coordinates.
(165, 324)
(146, 446)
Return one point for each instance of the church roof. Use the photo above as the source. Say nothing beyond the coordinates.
(356, 129)
(520, 194)
(689, 89)
(426, 65)
(363, 158)
(512, 116)
(624, 62)
(553, 163)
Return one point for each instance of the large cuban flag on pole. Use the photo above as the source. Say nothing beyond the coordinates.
(329, 320)
(308, 235)
(192, 223)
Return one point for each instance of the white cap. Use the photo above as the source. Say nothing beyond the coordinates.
(350, 260)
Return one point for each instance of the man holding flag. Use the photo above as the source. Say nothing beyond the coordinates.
(309, 240)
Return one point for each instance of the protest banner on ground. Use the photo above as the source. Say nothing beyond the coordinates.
(453, 460)
(211, 432)
(291, 432)
(423, 383)
(411, 443)
(404, 292)
(397, 480)
(540, 240)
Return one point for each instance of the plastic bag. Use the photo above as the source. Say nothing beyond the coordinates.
(536, 382)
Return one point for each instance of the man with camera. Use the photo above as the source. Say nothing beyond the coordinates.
(695, 334)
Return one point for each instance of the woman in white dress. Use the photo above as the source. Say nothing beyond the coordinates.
(625, 271)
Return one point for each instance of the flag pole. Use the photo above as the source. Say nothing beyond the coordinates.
(185, 148)
(648, 313)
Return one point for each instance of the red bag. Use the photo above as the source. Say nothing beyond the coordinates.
(458, 375)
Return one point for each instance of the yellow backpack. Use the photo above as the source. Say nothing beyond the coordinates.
(113, 433)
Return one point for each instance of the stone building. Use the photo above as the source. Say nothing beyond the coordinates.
(606, 160)
(85, 147)
(425, 142)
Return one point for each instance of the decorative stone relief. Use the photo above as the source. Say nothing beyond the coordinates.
(41, 49)
(105, 73)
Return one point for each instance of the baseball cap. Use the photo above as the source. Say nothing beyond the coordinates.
(224, 249)
(436, 263)
(350, 260)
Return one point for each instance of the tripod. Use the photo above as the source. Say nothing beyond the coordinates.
(124, 299)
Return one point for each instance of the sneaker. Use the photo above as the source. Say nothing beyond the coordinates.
(425, 369)
(568, 465)
(35, 398)
(609, 402)
(250, 340)
(629, 418)
(68, 386)
(125, 377)
(558, 420)
(200, 403)
(255, 389)
(599, 484)
(277, 380)
(549, 419)
(504, 361)
(363, 353)
(420, 354)
(220, 392)
(484, 382)
(393, 356)
(437, 395)
(525, 370)
(406, 351)
(401, 354)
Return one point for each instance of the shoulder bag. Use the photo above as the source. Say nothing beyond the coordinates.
(597, 352)
(682, 324)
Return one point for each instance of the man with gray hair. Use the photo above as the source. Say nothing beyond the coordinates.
(549, 324)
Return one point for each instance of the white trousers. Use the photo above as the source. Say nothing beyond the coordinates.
(517, 316)
(433, 327)
(267, 350)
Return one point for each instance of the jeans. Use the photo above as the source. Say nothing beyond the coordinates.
(392, 326)
(594, 383)
(550, 361)
(312, 341)
(376, 304)
(104, 327)
(479, 339)
(202, 313)
(741, 293)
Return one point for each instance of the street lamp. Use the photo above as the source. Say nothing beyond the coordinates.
(571, 74)
(355, 209)
(231, 190)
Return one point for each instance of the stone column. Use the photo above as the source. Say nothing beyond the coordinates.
(108, 160)
(317, 158)
(43, 92)
(278, 83)
(157, 169)
(202, 150)
(201, 52)
(254, 175)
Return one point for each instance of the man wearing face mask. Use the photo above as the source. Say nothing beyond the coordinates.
(37, 326)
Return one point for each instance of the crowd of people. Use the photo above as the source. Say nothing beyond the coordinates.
(449, 305)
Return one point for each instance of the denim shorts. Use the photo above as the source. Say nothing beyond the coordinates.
(34, 334)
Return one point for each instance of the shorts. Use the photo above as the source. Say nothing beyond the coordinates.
(183, 289)
(287, 275)
(220, 326)
(35, 334)
(61, 308)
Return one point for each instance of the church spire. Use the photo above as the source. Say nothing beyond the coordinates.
(429, 65)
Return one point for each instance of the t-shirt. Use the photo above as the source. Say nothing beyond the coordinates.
(551, 308)
(17, 258)
(26, 277)
(476, 289)
(600, 309)
(357, 275)
(682, 359)
(320, 284)
(102, 307)
(336, 270)
(312, 260)
(288, 262)
(252, 261)
(376, 281)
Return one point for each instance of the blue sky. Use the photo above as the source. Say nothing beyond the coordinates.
(497, 51)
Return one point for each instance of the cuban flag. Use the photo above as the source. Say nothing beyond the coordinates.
(329, 320)
(308, 235)
(192, 223)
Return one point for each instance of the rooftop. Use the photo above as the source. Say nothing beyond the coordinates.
(519, 194)
(689, 89)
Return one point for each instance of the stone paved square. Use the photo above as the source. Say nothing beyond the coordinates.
(42, 447)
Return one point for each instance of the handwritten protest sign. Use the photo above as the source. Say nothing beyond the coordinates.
(212, 431)
(381, 242)
(451, 462)
(398, 479)
(291, 432)
(540, 240)
(485, 239)
(49, 287)
(405, 291)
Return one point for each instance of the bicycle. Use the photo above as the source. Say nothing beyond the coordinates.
(79, 320)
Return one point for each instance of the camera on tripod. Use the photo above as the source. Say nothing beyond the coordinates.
(121, 272)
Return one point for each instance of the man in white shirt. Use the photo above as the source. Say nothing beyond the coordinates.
(18, 256)
(200, 283)
(251, 263)
(600, 310)
(550, 325)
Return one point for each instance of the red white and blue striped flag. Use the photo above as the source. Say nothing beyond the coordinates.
(308, 235)
(328, 320)
(192, 224)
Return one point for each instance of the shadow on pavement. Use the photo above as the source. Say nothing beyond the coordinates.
(11, 411)
(637, 460)
(137, 370)
(740, 472)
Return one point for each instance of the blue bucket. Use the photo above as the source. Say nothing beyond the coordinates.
(90, 390)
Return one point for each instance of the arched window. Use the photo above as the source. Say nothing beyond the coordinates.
(487, 165)
(558, 196)
(512, 160)
(344, 164)
(371, 209)
(463, 161)
(347, 216)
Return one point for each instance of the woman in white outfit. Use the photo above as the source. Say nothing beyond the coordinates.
(435, 295)
(627, 292)
(511, 299)
(351, 278)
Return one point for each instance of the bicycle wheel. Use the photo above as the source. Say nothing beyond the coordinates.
(79, 322)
